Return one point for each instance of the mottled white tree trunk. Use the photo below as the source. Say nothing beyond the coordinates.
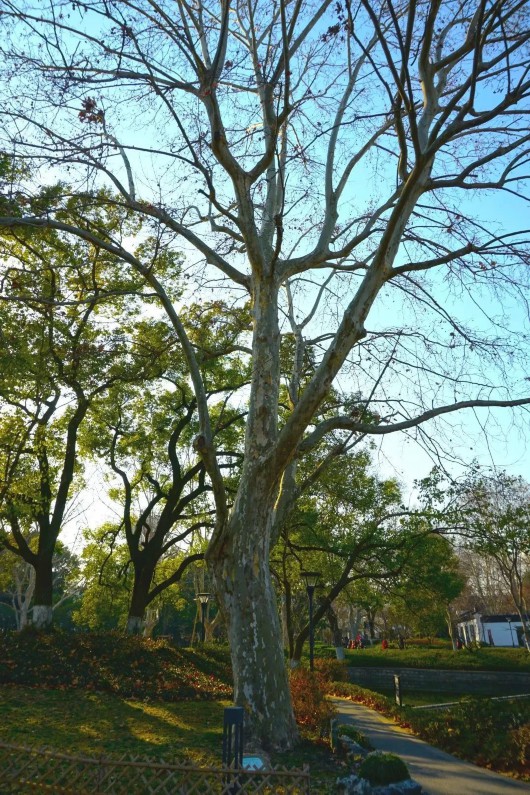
(245, 592)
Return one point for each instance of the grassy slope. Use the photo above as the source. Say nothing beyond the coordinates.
(108, 694)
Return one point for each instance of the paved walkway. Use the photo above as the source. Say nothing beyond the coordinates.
(437, 772)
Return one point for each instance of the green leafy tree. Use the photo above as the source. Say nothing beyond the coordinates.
(145, 435)
(61, 349)
(349, 527)
(106, 581)
(421, 599)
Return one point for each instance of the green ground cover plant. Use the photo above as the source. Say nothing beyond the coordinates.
(108, 694)
(347, 730)
(97, 723)
(493, 734)
(110, 662)
(483, 659)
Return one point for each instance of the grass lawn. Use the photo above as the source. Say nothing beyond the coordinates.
(80, 722)
(91, 723)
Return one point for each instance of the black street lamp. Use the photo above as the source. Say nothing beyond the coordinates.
(203, 599)
(311, 579)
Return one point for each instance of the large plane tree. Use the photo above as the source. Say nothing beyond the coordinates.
(343, 164)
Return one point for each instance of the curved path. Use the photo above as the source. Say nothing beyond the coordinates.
(438, 773)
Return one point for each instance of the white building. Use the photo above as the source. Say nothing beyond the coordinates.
(493, 630)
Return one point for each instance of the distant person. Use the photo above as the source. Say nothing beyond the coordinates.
(401, 641)
(384, 643)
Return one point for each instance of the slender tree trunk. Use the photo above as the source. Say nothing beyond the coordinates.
(451, 628)
(240, 567)
(23, 593)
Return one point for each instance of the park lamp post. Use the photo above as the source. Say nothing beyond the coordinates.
(311, 579)
(203, 599)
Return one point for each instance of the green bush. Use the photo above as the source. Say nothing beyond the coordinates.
(361, 695)
(380, 769)
(355, 735)
(500, 737)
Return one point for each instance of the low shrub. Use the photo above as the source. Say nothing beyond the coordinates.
(355, 735)
(500, 737)
(519, 744)
(332, 670)
(362, 696)
(308, 692)
(429, 643)
(381, 769)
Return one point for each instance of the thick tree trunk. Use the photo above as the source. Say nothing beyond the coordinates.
(239, 561)
(143, 576)
(42, 614)
(135, 625)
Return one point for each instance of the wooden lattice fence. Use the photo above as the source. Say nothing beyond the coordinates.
(30, 770)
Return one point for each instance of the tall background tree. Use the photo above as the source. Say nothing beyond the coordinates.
(318, 158)
(61, 349)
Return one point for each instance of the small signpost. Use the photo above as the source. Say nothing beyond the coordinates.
(397, 690)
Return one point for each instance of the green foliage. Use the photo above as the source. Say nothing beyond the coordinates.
(483, 659)
(380, 769)
(350, 731)
(95, 723)
(498, 738)
(64, 341)
(107, 582)
(331, 670)
(519, 744)
(311, 708)
(126, 666)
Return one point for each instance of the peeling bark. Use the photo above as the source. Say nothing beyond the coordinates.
(247, 599)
